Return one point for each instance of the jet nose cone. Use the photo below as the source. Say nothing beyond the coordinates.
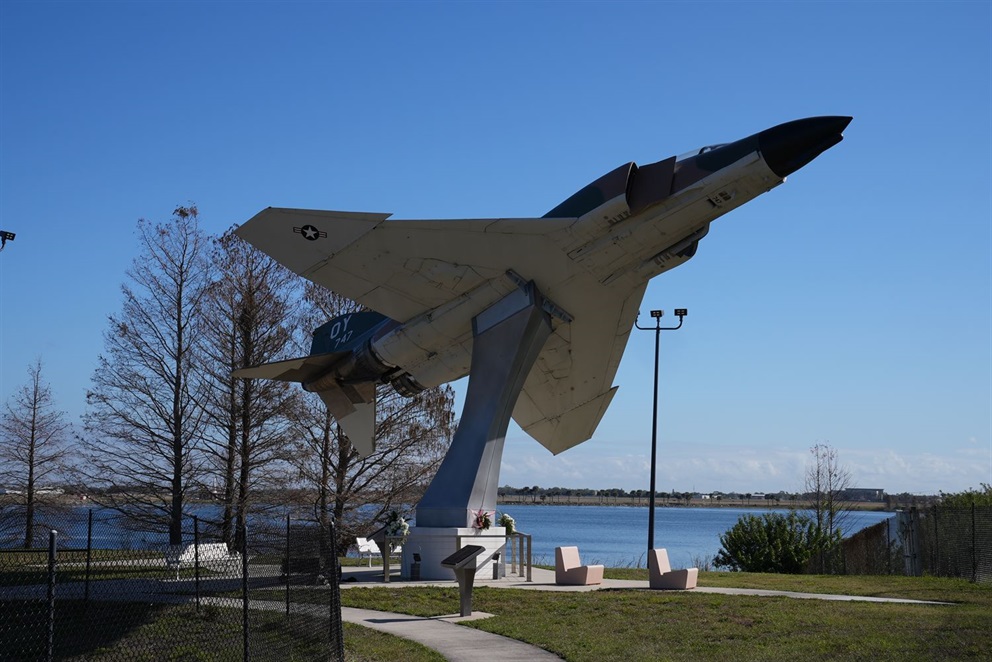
(788, 147)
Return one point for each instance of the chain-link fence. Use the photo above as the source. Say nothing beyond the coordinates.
(944, 541)
(874, 550)
(103, 589)
(951, 541)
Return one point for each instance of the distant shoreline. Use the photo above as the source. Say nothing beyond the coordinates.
(560, 500)
(669, 502)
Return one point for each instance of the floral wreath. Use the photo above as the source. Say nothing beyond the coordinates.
(482, 520)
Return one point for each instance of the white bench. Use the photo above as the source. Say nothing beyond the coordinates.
(212, 555)
(367, 548)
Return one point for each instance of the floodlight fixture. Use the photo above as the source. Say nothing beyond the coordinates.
(5, 237)
(681, 312)
(657, 313)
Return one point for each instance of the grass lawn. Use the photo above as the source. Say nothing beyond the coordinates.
(144, 632)
(650, 625)
(604, 625)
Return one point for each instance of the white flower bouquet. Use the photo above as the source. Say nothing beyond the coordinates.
(507, 522)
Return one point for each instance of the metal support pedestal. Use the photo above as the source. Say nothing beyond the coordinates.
(507, 339)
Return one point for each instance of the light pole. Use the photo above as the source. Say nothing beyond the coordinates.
(657, 328)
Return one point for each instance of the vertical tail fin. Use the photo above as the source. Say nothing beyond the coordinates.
(353, 407)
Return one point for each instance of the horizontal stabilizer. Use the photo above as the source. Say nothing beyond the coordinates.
(300, 370)
(351, 405)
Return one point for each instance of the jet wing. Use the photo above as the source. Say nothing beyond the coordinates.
(571, 385)
(406, 268)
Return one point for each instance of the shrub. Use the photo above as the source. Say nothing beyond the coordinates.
(773, 543)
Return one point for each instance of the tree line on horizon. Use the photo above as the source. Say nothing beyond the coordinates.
(781, 496)
(166, 420)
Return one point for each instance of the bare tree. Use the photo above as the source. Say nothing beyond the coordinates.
(412, 436)
(246, 312)
(826, 482)
(145, 420)
(33, 445)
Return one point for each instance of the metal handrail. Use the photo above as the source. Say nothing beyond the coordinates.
(517, 541)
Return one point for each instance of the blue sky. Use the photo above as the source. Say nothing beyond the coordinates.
(853, 305)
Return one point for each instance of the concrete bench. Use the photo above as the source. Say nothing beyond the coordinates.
(212, 555)
(661, 575)
(570, 571)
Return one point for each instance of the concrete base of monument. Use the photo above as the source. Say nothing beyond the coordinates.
(434, 544)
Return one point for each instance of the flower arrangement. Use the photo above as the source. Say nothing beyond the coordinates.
(396, 526)
(482, 520)
(507, 522)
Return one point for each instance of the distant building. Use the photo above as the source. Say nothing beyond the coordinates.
(870, 494)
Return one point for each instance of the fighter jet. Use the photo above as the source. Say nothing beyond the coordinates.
(591, 257)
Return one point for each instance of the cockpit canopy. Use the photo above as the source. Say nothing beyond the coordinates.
(697, 152)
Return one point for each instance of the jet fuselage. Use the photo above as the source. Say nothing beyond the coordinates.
(632, 225)
(590, 259)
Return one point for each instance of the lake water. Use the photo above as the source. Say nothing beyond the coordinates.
(614, 536)
(617, 536)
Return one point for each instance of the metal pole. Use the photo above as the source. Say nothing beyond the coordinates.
(658, 328)
(89, 554)
(654, 441)
(888, 545)
(334, 608)
(530, 558)
(196, 559)
(50, 643)
(974, 546)
(936, 545)
(244, 587)
(287, 564)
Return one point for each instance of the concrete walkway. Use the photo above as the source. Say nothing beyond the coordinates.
(442, 634)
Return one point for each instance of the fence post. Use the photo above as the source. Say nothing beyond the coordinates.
(287, 564)
(530, 556)
(89, 555)
(336, 627)
(888, 544)
(196, 560)
(936, 545)
(974, 546)
(244, 588)
(50, 643)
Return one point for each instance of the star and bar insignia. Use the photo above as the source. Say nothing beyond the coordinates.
(310, 233)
